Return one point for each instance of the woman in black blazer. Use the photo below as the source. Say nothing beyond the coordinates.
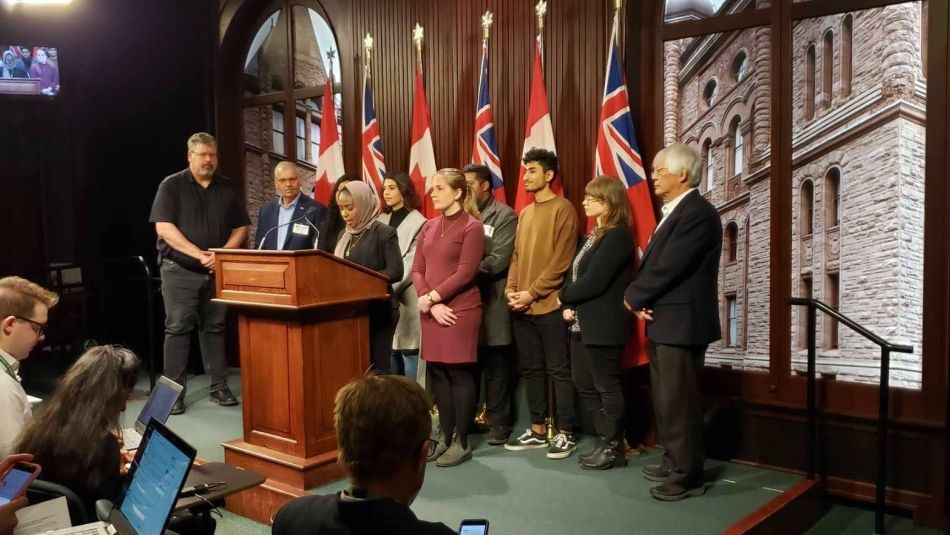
(593, 305)
(369, 243)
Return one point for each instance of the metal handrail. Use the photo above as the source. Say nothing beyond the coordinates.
(883, 396)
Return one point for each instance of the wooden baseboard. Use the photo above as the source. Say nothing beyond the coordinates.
(792, 512)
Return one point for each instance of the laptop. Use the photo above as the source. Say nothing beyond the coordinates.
(155, 479)
(159, 406)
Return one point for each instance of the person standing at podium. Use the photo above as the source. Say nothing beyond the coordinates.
(445, 273)
(196, 210)
(333, 224)
(374, 245)
(283, 224)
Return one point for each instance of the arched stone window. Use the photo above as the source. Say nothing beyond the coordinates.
(732, 242)
(740, 66)
(833, 198)
(847, 29)
(709, 92)
(709, 169)
(738, 146)
(810, 82)
(807, 208)
(827, 68)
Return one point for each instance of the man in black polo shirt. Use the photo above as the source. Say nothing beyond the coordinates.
(196, 210)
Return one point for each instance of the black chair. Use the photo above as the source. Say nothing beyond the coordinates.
(41, 491)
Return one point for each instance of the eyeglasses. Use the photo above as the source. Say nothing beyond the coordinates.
(588, 199)
(38, 328)
(287, 181)
(654, 172)
(210, 155)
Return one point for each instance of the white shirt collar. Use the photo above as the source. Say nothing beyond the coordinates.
(12, 362)
(280, 202)
(668, 208)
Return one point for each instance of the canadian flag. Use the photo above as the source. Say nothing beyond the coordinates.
(538, 131)
(421, 154)
(330, 162)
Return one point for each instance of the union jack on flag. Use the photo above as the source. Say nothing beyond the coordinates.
(374, 165)
(618, 156)
(485, 150)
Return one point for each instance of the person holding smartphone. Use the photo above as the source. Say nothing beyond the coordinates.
(8, 506)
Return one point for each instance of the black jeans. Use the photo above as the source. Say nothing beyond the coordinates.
(674, 379)
(596, 372)
(542, 352)
(187, 296)
(497, 364)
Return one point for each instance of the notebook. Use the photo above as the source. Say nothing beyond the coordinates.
(153, 483)
(159, 406)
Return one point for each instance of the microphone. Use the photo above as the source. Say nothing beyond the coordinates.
(305, 216)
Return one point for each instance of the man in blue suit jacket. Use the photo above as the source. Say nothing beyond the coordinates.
(284, 220)
(675, 292)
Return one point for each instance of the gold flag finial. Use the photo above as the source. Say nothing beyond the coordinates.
(487, 20)
(618, 4)
(541, 8)
(417, 35)
(368, 44)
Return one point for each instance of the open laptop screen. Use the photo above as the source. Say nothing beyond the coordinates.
(155, 479)
(159, 404)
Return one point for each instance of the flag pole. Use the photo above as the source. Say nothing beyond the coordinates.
(618, 9)
(368, 49)
(487, 20)
(417, 36)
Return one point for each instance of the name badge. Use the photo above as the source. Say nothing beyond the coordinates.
(489, 231)
(300, 228)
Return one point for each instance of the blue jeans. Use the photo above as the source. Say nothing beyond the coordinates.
(404, 363)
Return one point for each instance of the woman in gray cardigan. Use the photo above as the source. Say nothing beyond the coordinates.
(402, 214)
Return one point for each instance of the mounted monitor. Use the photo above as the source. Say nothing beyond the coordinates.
(29, 69)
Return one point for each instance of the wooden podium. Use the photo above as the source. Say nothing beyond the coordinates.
(304, 332)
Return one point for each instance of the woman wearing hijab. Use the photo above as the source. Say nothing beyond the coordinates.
(374, 245)
(332, 223)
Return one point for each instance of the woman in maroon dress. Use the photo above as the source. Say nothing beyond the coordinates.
(448, 254)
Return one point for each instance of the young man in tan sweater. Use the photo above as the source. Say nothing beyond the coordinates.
(544, 247)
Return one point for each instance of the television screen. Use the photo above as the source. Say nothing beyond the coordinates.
(29, 70)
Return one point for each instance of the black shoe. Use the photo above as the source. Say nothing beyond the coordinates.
(224, 397)
(607, 456)
(656, 472)
(498, 435)
(179, 407)
(668, 493)
(584, 457)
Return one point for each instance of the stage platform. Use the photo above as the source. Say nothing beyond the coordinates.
(524, 493)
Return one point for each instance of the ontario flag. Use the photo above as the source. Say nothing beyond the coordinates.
(421, 154)
(618, 156)
(330, 161)
(538, 131)
(374, 166)
(485, 150)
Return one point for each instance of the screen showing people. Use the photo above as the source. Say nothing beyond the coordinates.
(29, 69)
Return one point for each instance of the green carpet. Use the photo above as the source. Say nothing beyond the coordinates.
(520, 492)
(849, 520)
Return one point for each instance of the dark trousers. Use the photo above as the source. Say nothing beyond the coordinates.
(542, 352)
(187, 297)
(454, 386)
(596, 372)
(674, 379)
(497, 365)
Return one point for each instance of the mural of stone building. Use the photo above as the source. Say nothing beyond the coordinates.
(266, 137)
(858, 142)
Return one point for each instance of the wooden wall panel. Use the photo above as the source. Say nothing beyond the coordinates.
(575, 36)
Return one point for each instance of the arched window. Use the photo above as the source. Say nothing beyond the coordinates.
(740, 66)
(291, 58)
(710, 168)
(709, 92)
(810, 83)
(827, 68)
(808, 208)
(847, 27)
(732, 242)
(738, 146)
(833, 197)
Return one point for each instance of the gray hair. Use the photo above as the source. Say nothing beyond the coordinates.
(683, 158)
(285, 165)
(201, 138)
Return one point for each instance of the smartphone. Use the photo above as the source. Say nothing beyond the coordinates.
(473, 527)
(16, 480)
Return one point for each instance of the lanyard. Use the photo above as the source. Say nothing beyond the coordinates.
(9, 369)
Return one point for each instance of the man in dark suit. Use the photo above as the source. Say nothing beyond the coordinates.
(382, 425)
(675, 292)
(283, 223)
